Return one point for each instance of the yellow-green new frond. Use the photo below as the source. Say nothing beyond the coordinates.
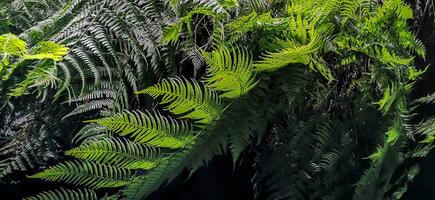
(231, 71)
(48, 50)
(153, 128)
(93, 175)
(187, 98)
(118, 152)
(12, 45)
(65, 194)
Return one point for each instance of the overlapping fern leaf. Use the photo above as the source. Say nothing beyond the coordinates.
(151, 128)
(90, 174)
(66, 194)
(188, 98)
(230, 71)
(118, 152)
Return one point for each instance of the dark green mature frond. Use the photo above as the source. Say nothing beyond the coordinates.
(151, 128)
(65, 194)
(118, 152)
(230, 72)
(90, 174)
(187, 98)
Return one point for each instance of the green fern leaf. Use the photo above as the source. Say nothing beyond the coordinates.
(48, 50)
(88, 174)
(291, 54)
(230, 71)
(11, 44)
(151, 128)
(187, 98)
(117, 152)
(65, 194)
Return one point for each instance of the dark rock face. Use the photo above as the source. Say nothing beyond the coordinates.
(31, 136)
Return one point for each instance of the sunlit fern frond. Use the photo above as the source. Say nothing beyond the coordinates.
(190, 99)
(12, 45)
(151, 128)
(118, 152)
(230, 72)
(48, 50)
(90, 174)
(65, 194)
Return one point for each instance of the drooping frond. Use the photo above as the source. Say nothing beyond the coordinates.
(65, 194)
(118, 152)
(230, 71)
(151, 128)
(187, 98)
(90, 174)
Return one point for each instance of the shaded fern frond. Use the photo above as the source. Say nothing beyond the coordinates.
(90, 132)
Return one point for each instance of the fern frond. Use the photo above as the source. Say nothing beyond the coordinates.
(117, 152)
(65, 194)
(48, 50)
(300, 44)
(90, 174)
(230, 71)
(90, 132)
(151, 128)
(11, 44)
(187, 98)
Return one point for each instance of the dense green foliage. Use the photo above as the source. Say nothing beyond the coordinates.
(321, 88)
